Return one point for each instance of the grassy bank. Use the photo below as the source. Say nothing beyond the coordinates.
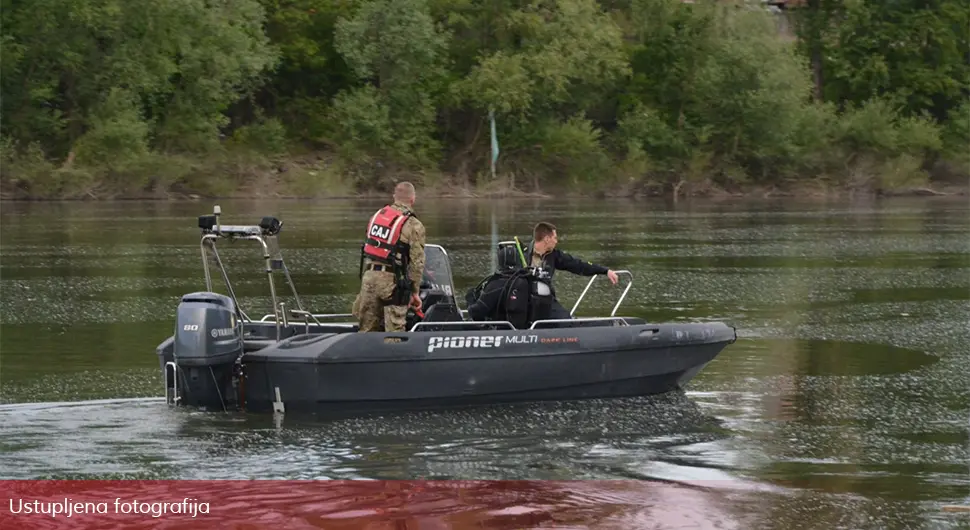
(247, 174)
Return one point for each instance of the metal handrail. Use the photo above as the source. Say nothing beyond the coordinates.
(305, 314)
(306, 318)
(621, 320)
(175, 384)
(504, 323)
(314, 316)
(211, 238)
(618, 302)
(332, 315)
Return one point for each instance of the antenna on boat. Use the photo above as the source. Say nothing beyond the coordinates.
(217, 211)
(494, 242)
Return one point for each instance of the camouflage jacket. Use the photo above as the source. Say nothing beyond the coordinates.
(413, 234)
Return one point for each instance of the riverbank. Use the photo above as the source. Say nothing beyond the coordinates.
(300, 179)
(803, 191)
(808, 190)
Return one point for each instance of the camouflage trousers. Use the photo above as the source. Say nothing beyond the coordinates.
(372, 306)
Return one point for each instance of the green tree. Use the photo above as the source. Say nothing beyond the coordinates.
(916, 52)
(311, 71)
(397, 52)
(715, 91)
(563, 59)
(71, 66)
(586, 93)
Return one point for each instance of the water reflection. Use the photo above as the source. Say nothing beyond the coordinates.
(455, 504)
(845, 404)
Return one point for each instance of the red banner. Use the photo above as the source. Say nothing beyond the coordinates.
(374, 505)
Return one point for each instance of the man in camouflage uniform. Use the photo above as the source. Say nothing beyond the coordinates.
(374, 307)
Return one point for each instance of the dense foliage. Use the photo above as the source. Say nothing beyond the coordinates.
(133, 95)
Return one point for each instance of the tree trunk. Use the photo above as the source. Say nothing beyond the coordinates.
(816, 23)
(817, 70)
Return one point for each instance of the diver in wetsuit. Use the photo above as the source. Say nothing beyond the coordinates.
(513, 293)
(542, 252)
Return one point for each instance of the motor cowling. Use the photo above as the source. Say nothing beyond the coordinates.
(208, 341)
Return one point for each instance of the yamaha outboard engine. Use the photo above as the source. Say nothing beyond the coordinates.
(208, 341)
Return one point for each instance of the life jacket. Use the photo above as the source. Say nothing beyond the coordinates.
(383, 240)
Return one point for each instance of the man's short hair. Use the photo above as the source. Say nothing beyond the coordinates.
(404, 191)
(542, 230)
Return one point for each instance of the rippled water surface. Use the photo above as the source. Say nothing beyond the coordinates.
(845, 403)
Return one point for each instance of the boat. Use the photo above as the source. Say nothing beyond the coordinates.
(219, 358)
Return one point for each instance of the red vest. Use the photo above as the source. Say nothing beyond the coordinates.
(384, 234)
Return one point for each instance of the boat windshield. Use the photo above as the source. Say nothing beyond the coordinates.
(437, 271)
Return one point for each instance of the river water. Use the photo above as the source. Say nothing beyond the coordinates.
(844, 404)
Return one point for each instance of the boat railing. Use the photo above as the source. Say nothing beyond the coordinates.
(467, 325)
(542, 324)
(315, 316)
(626, 290)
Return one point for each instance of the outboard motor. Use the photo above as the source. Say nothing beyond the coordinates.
(208, 341)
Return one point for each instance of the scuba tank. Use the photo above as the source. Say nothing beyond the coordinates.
(515, 293)
(540, 295)
(504, 295)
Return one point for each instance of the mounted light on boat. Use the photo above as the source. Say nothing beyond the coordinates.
(270, 225)
(207, 222)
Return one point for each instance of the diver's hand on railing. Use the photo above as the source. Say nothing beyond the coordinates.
(611, 274)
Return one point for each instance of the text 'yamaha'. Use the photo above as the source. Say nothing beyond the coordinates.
(222, 332)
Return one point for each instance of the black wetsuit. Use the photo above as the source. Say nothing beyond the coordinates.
(502, 296)
(557, 259)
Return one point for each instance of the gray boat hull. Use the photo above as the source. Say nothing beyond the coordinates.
(349, 374)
